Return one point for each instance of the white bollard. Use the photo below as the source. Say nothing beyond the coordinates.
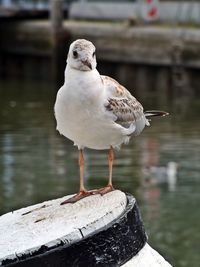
(95, 231)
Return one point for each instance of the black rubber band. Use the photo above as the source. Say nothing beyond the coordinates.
(110, 246)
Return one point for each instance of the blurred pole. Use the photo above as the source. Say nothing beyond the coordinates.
(58, 38)
(56, 15)
(181, 89)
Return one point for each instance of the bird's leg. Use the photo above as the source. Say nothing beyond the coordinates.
(109, 186)
(81, 166)
(110, 164)
(82, 191)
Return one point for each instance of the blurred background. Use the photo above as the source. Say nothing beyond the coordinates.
(153, 48)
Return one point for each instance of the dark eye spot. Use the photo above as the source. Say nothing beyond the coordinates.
(75, 54)
(93, 54)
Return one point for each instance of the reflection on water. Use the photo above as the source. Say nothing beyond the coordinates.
(37, 164)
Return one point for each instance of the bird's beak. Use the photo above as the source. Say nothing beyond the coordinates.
(87, 63)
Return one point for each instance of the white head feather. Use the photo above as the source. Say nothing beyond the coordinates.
(81, 55)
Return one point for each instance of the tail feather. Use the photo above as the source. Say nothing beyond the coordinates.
(155, 113)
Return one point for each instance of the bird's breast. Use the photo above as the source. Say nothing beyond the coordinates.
(77, 106)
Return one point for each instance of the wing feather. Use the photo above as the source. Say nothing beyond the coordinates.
(121, 103)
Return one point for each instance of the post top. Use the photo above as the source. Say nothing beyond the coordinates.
(28, 229)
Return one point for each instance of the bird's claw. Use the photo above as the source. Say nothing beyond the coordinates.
(80, 195)
(105, 190)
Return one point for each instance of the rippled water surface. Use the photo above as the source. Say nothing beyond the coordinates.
(37, 164)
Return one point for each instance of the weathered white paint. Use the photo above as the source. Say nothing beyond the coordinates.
(49, 222)
(102, 10)
(147, 257)
(169, 11)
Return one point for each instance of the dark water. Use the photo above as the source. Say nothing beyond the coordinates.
(37, 164)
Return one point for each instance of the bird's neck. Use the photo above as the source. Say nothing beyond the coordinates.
(84, 85)
(74, 75)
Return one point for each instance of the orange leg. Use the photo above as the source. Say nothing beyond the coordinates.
(110, 164)
(82, 191)
(109, 186)
(81, 165)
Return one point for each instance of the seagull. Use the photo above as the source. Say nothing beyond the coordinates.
(162, 174)
(95, 111)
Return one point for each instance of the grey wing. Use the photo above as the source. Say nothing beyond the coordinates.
(127, 111)
(125, 107)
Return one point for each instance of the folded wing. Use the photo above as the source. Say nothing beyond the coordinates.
(123, 105)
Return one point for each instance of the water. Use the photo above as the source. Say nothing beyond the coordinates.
(37, 164)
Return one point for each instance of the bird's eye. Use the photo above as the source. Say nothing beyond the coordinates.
(93, 54)
(75, 54)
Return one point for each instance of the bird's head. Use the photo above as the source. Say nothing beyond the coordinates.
(81, 55)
